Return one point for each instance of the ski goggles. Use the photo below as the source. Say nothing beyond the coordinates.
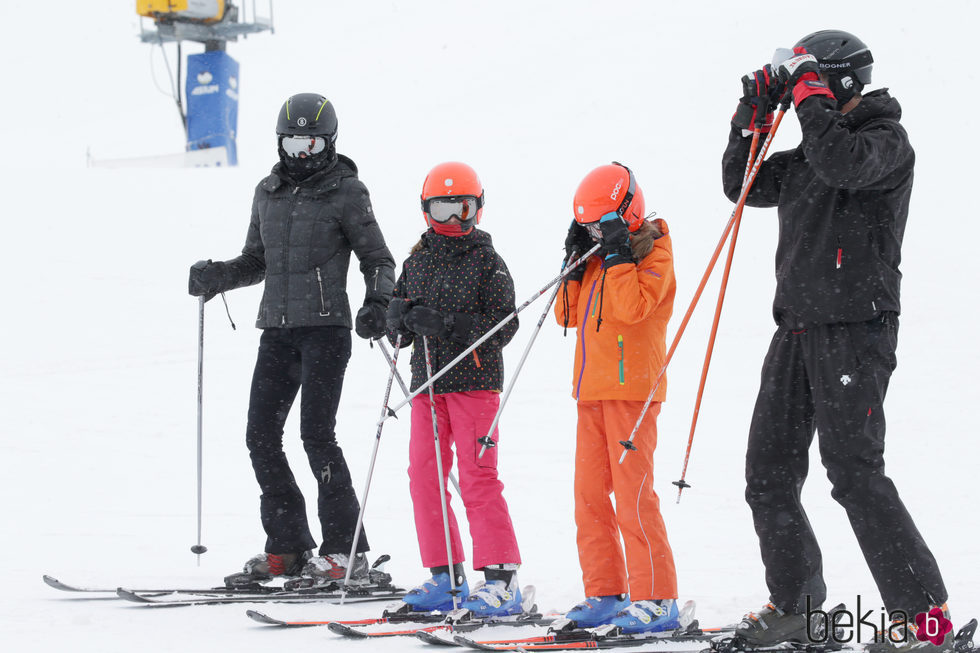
(303, 146)
(444, 209)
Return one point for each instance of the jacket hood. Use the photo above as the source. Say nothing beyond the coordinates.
(873, 106)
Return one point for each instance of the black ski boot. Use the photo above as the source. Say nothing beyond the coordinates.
(265, 566)
(771, 626)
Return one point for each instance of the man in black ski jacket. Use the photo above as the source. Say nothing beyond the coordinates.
(308, 216)
(842, 199)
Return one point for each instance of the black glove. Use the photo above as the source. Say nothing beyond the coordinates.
(397, 308)
(615, 241)
(205, 279)
(370, 321)
(761, 91)
(426, 321)
(577, 243)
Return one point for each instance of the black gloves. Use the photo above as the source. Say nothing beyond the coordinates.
(405, 315)
(206, 279)
(615, 241)
(397, 308)
(577, 243)
(761, 92)
(370, 321)
(426, 321)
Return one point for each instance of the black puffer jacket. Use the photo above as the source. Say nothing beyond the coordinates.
(460, 274)
(843, 198)
(300, 239)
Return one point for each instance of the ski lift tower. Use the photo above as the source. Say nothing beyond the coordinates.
(211, 116)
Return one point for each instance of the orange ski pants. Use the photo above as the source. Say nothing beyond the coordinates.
(648, 569)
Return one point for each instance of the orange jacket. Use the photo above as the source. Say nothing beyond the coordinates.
(623, 358)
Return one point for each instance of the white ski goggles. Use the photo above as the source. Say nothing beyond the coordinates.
(303, 146)
(444, 209)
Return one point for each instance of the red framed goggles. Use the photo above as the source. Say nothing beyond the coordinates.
(444, 209)
(301, 147)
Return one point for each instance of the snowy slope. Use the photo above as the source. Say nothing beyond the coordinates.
(98, 381)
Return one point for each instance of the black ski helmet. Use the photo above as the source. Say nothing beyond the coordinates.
(843, 57)
(308, 114)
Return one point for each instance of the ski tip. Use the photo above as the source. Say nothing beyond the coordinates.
(130, 595)
(51, 581)
(346, 631)
(263, 618)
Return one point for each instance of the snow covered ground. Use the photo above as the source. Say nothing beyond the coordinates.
(98, 381)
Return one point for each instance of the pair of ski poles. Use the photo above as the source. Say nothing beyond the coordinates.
(752, 166)
(388, 411)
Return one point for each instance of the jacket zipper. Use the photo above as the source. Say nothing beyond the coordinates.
(622, 361)
(285, 247)
(581, 335)
(323, 305)
(376, 271)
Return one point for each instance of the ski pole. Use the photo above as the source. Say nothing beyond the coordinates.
(739, 208)
(487, 441)
(486, 336)
(398, 378)
(393, 362)
(442, 484)
(747, 179)
(199, 548)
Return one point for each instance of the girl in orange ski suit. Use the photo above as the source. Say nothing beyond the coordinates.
(621, 316)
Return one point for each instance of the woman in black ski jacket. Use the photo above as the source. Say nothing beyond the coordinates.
(307, 218)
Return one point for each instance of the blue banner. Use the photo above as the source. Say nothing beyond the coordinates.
(212, 102)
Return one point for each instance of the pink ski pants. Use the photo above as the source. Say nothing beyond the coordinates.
(463, 417)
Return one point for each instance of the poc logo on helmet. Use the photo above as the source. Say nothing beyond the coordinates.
(846, 82)
(615, 193)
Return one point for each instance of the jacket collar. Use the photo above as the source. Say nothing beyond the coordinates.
(455, 245)
(322, 180)
(875, 105)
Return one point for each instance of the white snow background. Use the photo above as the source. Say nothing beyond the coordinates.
(98, 380)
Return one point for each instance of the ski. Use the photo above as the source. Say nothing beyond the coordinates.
(962, 642)
(353, 632)
(594, 638)
(379, 580)
(393, 618)
(51, 581)
(458, 621)
(332, 596)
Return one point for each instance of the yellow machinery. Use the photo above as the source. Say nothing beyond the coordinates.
(204, 10)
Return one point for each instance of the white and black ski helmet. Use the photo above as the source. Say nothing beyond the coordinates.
(843, 57)
(307, 114)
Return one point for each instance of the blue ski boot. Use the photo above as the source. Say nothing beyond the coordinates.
(598, 610)
(434, 594)
(495, 598)
(654, 616)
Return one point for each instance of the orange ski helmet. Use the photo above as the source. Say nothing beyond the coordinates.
(452, 189)
(610, 189)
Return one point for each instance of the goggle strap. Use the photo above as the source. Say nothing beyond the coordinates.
(628, 197)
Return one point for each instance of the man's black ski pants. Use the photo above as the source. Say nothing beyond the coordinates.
(832, 379)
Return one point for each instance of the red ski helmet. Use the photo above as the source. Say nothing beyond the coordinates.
(609, 189)
(452, 189)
